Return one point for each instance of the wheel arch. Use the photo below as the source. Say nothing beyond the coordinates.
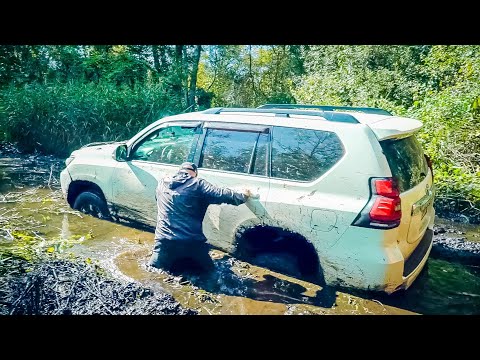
(78, 186)
(253, 237)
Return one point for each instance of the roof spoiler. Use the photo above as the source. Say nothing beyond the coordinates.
(395, 127)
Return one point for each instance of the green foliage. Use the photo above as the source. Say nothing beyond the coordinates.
(248, 76)
(378, 76)
(29, 245)
(451, 137)
(23, 245)
(58, 118)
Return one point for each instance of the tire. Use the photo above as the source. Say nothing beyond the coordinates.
(92, 204)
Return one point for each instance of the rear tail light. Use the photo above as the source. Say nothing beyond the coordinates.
(386, 187)
(383, 210)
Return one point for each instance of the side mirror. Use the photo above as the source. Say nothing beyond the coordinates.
(120, 153)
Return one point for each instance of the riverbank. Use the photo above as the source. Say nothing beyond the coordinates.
(452, 243)
(63, 287)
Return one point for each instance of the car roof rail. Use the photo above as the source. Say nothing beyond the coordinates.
(367, 110)
(327, 115)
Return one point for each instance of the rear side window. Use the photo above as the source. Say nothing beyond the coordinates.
(303, 154)
(406, 160)
(236, 151)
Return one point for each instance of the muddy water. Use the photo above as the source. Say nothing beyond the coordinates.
(34, 218)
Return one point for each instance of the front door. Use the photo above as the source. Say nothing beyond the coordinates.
(158, 154)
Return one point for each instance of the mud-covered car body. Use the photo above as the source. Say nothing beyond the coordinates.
(347, 194)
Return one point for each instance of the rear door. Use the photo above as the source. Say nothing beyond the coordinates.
(234, 156)
(303, 197)
(408, 165)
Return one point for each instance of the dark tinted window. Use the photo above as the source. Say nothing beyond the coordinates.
(406, 160)
(228, 150)
(170, 145)
(303, 154)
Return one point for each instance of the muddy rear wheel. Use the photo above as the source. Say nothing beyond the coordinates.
(92, 204)
(283, 262)
(279, 250)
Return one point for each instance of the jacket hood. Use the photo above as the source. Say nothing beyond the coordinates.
(179, 178)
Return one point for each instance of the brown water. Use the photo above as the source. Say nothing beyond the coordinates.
(34, 218)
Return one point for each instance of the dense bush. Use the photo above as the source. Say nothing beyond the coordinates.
(451, 137)
(58, 118)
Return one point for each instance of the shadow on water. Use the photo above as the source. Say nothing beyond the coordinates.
(223, 280)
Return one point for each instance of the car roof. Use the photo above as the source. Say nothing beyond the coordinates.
(302, 121)
(384, 126)
(254, 116)
(362, 118)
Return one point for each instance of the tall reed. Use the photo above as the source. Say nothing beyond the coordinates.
(57, 118)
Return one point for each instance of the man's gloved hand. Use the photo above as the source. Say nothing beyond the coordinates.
(247, 192)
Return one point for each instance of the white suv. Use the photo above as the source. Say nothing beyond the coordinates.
(344, 195)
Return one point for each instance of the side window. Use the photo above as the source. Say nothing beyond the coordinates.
(230, 150)
(303, 154)
(170, 145)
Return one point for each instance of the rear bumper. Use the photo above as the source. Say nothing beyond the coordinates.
(371, 260)
(417, 260)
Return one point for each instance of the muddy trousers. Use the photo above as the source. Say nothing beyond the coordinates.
(173, 255)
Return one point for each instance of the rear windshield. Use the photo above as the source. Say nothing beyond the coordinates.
(406, 160)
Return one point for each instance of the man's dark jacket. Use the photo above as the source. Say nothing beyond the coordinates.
(182, 202)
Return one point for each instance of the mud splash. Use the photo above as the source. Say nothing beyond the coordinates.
(239, 288)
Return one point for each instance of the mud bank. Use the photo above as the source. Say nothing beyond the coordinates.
(61, 287)
(451, 244)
